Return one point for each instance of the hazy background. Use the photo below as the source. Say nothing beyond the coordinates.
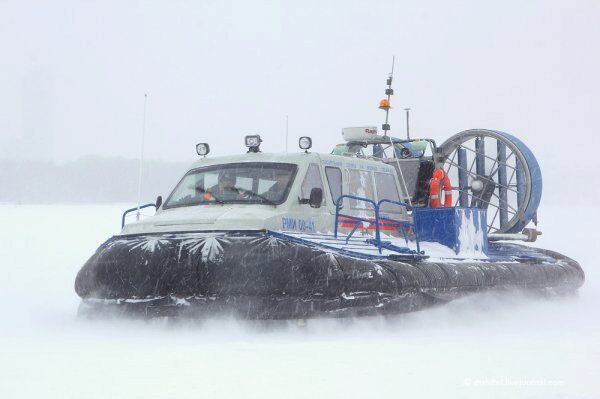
(73, 77)
(72, 82)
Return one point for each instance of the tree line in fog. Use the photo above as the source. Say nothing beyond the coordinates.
(86, 180)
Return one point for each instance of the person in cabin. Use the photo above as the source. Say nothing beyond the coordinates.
(225, 190)
(276, 191)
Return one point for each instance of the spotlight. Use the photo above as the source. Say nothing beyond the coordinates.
(305, 143)
(202, 149)
(253, 143)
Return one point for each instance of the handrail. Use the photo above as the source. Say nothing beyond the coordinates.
(338, 205)
(134, 209)
(401, 222)
(404, 204)
(377, 221)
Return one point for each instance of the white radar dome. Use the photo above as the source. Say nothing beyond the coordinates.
(359, 133)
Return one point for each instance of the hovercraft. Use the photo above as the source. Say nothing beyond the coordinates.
(380, 225)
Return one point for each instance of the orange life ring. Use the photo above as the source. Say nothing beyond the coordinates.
(439, 176)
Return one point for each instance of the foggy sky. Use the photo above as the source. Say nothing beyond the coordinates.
(73, 74)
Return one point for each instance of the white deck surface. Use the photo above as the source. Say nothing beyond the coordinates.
(357, 243)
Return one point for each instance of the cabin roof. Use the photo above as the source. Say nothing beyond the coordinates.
(298, 158)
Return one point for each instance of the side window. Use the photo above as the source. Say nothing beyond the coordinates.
(311, 180)
(361, 185)
(334, 179)
(387, 189)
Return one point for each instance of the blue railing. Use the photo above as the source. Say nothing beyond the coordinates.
(134, 209)
(377, 222)
(402, 223)
(359, 220)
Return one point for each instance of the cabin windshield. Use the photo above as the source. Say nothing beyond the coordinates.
(238, 183)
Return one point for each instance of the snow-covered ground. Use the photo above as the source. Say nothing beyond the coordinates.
(482, 346)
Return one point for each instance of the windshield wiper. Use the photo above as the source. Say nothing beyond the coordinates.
(256, 195)
(217, 199)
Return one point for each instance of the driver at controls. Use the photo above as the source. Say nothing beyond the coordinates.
(225, 190)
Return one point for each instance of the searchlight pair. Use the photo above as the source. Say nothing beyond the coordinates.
(253, 144)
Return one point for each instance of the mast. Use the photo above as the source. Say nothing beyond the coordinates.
(385, 103)
(137, 215)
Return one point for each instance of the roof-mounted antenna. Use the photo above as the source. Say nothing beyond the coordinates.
(137, 214)
(287, 122)
(385, 103)
(407, 123)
